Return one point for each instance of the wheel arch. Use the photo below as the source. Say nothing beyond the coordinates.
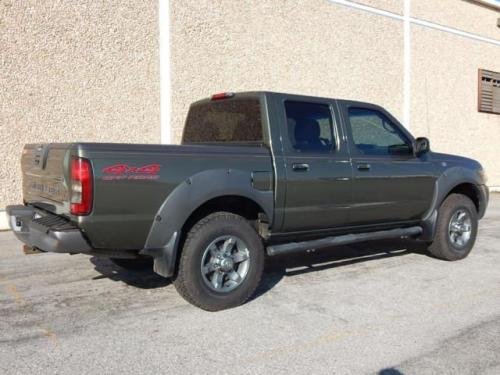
(455, 180)
(203, 193)
(236, 204)
(468, 189)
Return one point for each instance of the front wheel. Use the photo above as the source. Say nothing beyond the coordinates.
(456, 228)
(221, 263)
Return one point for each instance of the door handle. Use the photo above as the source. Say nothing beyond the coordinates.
(364, 167)
(300, 167)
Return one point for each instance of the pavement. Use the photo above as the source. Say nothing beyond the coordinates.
(375, 308)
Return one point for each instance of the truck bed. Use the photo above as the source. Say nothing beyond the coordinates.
(130, 181)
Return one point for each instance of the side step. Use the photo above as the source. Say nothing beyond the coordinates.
(294, 247)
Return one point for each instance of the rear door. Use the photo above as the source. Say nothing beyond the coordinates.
(318, 171)
(390, 184)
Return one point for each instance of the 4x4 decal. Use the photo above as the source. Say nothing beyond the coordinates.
(128, 172)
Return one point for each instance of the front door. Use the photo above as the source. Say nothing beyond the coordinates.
(390, 183)
(318, 170)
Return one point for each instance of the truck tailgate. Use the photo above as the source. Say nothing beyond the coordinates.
(45, 176)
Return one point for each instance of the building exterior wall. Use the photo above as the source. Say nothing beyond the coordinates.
(88, 71)
(309, 47)
(320, 47)
(444, 96)
(444, 72)
(394, 6)
(75, 71)
(463, 15)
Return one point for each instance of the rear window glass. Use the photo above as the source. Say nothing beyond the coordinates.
(235, 120)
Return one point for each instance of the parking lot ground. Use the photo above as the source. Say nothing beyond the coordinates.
(381, 307)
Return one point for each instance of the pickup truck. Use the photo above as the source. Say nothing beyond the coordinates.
(257, 174)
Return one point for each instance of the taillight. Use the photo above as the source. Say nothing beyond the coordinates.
(222, 95)
(81, 187)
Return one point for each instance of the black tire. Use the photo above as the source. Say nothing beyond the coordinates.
(190, 281)
(133, 264)
(443, 246)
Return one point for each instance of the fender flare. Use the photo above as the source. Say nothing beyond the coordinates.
(450, 179)
(163, 238)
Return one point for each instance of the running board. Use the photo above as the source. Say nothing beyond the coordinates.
(294, 247)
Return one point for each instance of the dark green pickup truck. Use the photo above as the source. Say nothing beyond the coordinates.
(257, 173)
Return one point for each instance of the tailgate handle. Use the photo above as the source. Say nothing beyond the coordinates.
(300, 167)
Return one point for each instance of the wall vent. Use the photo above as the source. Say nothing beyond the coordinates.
(489, 92)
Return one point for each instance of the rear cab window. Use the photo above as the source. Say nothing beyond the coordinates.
(234, 120)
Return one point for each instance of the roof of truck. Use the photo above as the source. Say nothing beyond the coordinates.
(239, 94)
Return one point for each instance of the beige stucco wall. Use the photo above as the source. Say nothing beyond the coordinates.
(321, 48)
(444, 96)
(309, 46)
(394, 6)
(460, 14)
(89, 70)
(444, 80)
(75, 71)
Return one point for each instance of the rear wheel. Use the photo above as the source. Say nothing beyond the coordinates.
(456, 228)
(221, 262)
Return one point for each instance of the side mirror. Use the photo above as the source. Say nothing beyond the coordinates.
(422, 146)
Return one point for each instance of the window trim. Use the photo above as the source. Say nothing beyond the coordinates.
(289, 149)
(354, 150)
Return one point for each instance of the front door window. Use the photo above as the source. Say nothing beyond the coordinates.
(374, 134)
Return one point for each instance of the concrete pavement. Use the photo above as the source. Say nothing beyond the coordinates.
(379, 307)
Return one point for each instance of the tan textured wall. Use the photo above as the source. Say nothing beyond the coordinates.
(310, 47)
(75, 71)
(460, 14)
(394, 6)
(85, 70)
(444, 96)
(320, 48)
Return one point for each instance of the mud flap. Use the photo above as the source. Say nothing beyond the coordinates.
(164, 258)
(429, 227)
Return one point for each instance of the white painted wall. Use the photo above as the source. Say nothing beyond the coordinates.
(4, 223)
(165, 79)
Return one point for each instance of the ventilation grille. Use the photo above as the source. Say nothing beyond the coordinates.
(489, 91)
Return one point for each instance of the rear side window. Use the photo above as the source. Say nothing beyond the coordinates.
(309, 126)
(234, 120)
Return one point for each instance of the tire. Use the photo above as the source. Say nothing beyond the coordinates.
(133, 264)
(446, 245)
(215, 244)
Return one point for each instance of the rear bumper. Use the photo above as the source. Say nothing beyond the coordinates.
(45, 231)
